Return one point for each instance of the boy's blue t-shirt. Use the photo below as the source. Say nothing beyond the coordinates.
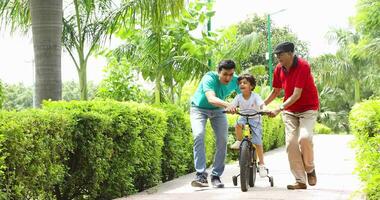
(210, 81)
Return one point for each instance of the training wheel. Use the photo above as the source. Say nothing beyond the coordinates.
(234, 180)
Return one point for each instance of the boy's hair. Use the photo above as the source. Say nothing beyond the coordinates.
(249, 78)
(226, 64)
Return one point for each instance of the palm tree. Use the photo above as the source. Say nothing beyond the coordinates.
(86, 25)
(45, 17)
(92, 21)
(349, 65)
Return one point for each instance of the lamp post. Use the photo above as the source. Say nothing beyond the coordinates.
(209, 62)
(270, 66)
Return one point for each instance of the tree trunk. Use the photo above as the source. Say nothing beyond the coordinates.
(157, 90)
(83, 79)
(46, 18)
(357, 90)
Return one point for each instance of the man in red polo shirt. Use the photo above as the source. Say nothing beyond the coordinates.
(300, 109)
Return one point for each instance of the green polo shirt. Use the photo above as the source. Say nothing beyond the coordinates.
(210, 82)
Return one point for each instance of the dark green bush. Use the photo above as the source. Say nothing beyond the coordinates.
(94, 149)
(34, 148)
(322, 129)
(177, 156)
(136, 132)
(365, 125)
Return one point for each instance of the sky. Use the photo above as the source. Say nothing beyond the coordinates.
(310, 20)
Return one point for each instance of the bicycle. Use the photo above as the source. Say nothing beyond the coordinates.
(248, 158)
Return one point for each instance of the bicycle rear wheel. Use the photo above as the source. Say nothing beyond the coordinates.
(244, 162)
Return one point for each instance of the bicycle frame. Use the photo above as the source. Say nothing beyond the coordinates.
(248, 158)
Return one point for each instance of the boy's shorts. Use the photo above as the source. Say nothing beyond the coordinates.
(256, 126)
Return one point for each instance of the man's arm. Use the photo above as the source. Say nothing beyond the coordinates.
(212, 99)
(275, 92)
(292, 99)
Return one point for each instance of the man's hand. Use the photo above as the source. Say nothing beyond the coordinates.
(274, 113)
(231, 109)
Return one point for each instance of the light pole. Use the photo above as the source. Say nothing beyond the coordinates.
(209, 63)
(270, 66)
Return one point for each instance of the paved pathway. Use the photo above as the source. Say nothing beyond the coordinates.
(334, 160)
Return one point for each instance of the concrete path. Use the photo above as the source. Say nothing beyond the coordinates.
(334, 161)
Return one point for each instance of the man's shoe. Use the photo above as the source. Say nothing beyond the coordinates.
(200, 180)
(216, 183)
(312, 178)
(297, 186)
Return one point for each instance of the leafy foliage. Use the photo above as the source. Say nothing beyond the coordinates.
(257, 25)
(34, 147)
(168, 56)
(17, 96)
(177, 156)
(121, 83)
(71, 90)
(1, 94)
(365, 125)
(322, 129)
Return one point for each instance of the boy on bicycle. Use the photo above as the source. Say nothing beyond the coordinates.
(248, 103)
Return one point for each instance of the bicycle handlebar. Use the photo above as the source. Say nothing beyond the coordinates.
(248, 115)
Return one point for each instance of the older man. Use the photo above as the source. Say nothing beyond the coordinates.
(300, 108)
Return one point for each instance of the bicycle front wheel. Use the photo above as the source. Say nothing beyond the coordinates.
(244, 162)
(253, 169)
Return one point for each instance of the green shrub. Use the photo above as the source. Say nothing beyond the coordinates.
(1, 94)
(134, 140)
(322, 129)
(177, 153)
(34, 148)
(365, 125)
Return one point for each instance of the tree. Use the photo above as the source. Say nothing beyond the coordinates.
(87, 24)
(120, 82)
(1, 94)
(71, 90)
(17, 96)
(170, 55)
(349, 64)
(93, 20)
(367, 22)
(256, 24)
(45, 17)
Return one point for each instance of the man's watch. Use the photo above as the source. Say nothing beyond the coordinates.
(282, 107)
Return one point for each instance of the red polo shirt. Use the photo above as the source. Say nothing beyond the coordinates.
(298, 76)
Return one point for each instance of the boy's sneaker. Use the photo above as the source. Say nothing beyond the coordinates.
(263, 171)
(200, 180)
(236, 145)
(215, 181)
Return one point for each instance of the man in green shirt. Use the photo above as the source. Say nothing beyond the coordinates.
(208, 102)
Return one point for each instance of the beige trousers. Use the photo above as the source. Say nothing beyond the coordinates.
(299, 142)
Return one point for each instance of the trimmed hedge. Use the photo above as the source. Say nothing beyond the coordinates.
(365, 125)
(34, 147)
(177, 154)
(322, 129)
(94, 149)
(131, 146)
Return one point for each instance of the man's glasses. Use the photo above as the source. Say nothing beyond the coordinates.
(280, 54)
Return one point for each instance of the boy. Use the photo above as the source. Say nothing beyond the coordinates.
(250, 102)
